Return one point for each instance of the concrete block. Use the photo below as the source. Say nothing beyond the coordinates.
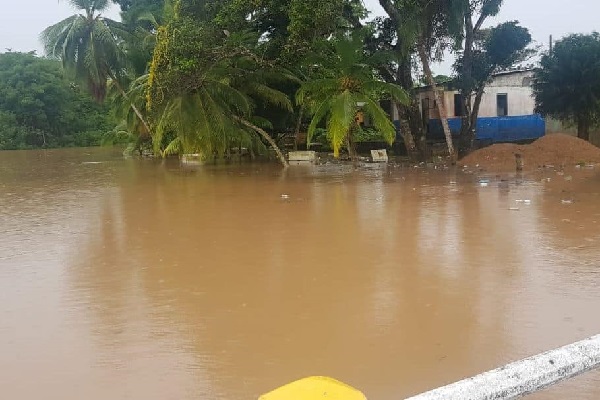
(302, 156)
(379, 156)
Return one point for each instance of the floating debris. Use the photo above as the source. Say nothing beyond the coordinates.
(526, 202)
(514, 209)
(285, 196)
(567, 201)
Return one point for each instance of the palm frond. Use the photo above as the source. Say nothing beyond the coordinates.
(341, 117)
(174, 147)
(317, 89)
(320, 113)
(271, 96)
(82, 4)
(381, 120)
(99, 5)
(231, 98)
(395, 92)
(52, 37)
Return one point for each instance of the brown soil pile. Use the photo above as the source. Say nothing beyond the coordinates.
(555, 149)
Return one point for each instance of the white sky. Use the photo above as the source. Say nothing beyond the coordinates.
(22, 21)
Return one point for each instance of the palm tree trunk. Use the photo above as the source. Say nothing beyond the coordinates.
(351, 145)
(583, 128)
(267, 137)
(298, 126)
(133, 107)
(438, 99)
(472, 132)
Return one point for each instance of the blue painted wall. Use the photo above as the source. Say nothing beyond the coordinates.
(495, 129)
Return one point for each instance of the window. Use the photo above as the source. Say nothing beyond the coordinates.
(425, 111)
(458, 105)
(502, 104)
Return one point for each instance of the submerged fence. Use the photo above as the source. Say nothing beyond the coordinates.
(524, 377)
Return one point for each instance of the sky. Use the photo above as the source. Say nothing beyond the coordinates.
(22, 21)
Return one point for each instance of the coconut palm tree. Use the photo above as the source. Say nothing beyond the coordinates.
(219, 113)
(349, 87)
(89, 46)
(214, 105)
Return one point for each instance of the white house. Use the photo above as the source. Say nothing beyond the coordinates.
(508, 94)
(507, 111)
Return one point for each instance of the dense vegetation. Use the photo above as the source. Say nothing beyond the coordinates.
(40, 108)
(208, 76)
(567, 84)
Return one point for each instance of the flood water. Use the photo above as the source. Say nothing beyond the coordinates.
(138, 279)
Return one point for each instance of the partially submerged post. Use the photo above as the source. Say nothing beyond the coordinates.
(519, 162)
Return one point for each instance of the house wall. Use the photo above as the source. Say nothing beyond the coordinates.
(520, 123)
(520, 101)
(431, 110)
(517, 86)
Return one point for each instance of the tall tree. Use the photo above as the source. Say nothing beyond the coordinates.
(205, 83)
(40, 108)
(467, 18)
(89, 46)
(428, 30)
(291, 31)
(348, 88)
(391, 35)
(495, 49)
(567, 83)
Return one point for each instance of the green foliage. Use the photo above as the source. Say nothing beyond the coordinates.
(40, 108)
(497, 49)
(88, 46)
(206, 84)
(133, 9)
(349, 87)
(291, 29)
(567, 84)
(364, 135)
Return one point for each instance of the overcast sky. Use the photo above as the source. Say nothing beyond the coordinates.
(22, 21)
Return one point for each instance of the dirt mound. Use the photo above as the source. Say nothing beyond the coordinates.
(555, 149)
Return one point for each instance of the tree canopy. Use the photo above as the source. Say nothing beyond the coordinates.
(88, 46)
(40, 108)
(567, 83)
(209, 75)
(349, 87)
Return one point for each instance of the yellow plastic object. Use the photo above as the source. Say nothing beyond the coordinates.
(315, 388)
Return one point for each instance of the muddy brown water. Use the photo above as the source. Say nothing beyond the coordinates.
(136, 279)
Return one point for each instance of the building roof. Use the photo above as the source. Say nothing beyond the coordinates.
(514, 71)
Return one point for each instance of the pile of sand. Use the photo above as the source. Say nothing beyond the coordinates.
(557, 149)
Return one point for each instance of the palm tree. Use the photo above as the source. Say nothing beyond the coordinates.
(89, 46)
(212, 106)
(218, 113)
(350, 87)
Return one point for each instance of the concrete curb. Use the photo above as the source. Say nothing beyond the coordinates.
(524, 377)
